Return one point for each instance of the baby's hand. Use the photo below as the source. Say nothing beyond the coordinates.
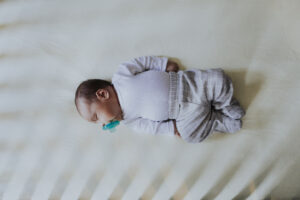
(172, 66)
(175, 128)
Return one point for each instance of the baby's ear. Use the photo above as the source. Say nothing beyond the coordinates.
(102, 94)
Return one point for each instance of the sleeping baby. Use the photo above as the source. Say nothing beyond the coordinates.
(150, 94)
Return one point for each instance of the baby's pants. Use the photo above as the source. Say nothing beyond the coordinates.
(206, 104)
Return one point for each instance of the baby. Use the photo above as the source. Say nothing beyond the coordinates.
(150, 94)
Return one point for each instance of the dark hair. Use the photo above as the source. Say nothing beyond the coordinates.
(88, 88)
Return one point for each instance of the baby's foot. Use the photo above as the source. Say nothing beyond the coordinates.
(234, 111)
(226, 124)
(233, 125)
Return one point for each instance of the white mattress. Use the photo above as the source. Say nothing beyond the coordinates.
(48, 47)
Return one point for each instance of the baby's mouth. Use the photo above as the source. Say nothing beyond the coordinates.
(110, 121)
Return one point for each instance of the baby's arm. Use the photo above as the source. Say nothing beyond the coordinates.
(143, 63)
(153, 127)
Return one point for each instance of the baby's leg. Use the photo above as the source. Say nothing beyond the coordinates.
(221, 96)
(225, 124)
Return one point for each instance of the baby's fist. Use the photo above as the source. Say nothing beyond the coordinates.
(176, 132)
(172, 66)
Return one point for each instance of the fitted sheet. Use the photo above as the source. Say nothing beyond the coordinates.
(48, 47)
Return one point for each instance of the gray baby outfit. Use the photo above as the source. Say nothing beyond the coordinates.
(202, 102)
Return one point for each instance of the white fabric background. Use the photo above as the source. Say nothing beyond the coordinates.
(48, 47)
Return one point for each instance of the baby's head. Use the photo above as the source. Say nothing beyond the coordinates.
(97, 101)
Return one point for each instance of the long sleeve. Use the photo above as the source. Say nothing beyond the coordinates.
(165, 127)
(141, 64)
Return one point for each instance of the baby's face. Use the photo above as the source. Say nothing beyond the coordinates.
(97, 112)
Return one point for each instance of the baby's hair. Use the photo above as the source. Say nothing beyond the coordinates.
(88, 88)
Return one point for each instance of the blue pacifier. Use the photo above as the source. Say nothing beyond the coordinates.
(111, 126)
